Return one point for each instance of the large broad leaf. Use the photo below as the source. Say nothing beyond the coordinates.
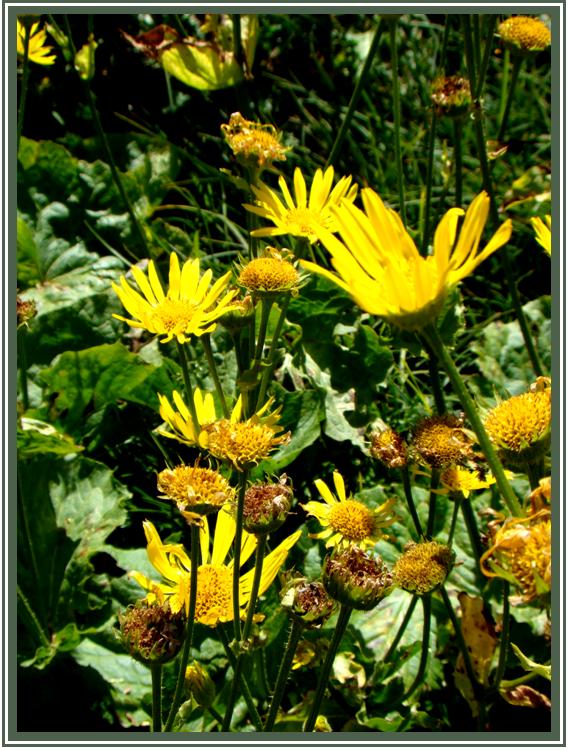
(66, 510)
(80, 383)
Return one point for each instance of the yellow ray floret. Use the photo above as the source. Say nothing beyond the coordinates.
(307, 212)
(542, 231)
(378, 264)
(347, 521)
(214, 602)
(38, 51)
(189, 307)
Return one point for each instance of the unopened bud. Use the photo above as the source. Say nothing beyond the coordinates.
(307, 602)
(356, 579)
(152, 633)
(199, 685)
(266, 506)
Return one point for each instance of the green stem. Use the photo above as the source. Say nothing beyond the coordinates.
(505, 81)
(430, 160)
(188, 385)
(432, 335)
(24, 88)
(105, 144)
(271, 356)
(435, 476)
(470, 65)
(473, 535)
(206, 341)
(266, 305)
(259, 557)
(458, 160)
(516, 67)
(435, 378)
(43, 639)
(284, 671)
(23, 367)
(397, 117)
(534, 472)
(410, 501)
(237, 553)
(215, 713)
(156, 671)
(426, 600)
(194, 562)
(505, 638)
(241, 682)
(362, 80)
(341, 624)
(488, 48)
(457, 502)
(525, 678)
(402, 628)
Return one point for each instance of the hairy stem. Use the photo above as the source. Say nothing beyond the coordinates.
(284, 671)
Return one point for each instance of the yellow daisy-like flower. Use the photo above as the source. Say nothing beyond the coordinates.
(347, 521)
(271, 275)
(305, 214)
(520, 427)
(214, 603)
(243, 443)
(542, 231)
(190, 307)
(423, 567)
(252, 141)
(38, 51)
(441, 440)
(525, 34)
(195, 490)
(378, 264)
(459, 479)
(521, 553)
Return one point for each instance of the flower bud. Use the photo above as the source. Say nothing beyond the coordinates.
(152, 633)
(451, 96)
(271, 274)
(356, 579)
(266, 506)
(234, 320)
(322, 724)
(307, 602)
(199, 685)
(423, 567)
(25, 311)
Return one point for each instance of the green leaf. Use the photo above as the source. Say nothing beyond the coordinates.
(35, 436)
(543, 670)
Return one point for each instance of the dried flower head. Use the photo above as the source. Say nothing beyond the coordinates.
(271, 274)
(195, 490)
(389, 447)
(266, 506)
(25, 311)
(521, 553)
(525, 34)
(152, 633)
(355, 578)
(253, 143)
(423, 567)
(441, 440)
(347, 521)
(307, 602)
(540, 498)
(199, 685)
(451, 96)
(520, 427)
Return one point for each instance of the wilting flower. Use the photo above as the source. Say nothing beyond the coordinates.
(542, 231)
(189, 308)
(345, 520)
(271, 275)
(38, 51)
(196, 491)
(307, 602)
(521, 553)
(356, 579)
(423, 567)
(214, 602)
(524, 34)
(152, 633)
(441, 440)
(266, 506)
(451, 95)
(389, 447)
(378, 264)
(305, 214)
(520, 427)
(253, 143)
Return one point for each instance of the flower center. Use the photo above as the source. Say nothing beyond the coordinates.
(520, 420)
(214, 596)
(192, 485)
(352, 519)
(172, 315)
(269, 274)
(241, 442)
(303, 220)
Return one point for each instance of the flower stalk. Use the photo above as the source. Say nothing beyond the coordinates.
(283, 675)
(410, 501)
(188, 384)
(24, 88)
(271, 356)
(156, 671)
(397, 115)
(206, 341)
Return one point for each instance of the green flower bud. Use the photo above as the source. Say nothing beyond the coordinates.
(307, 602)
(199, 685)
(356, 579)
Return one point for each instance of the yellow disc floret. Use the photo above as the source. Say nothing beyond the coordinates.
(423, 567)
(253, 141)
(272, 273)
(525, 34)
(242, 443)
(194, 489)
(441, 441)
(353, 520)
(214, 597)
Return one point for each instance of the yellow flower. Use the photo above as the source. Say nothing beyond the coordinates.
(38, 51)
(252, 141)
(189, 308)
(347, 521)
(459, 479)
(305, 214)
(520, 427)
(243, 443)
(215, 575)
(379, 265)
(521, 553)
(195, 490)
(271, 274)
(543, 232)
(441, 440)
(423, 567)
(525, 34)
